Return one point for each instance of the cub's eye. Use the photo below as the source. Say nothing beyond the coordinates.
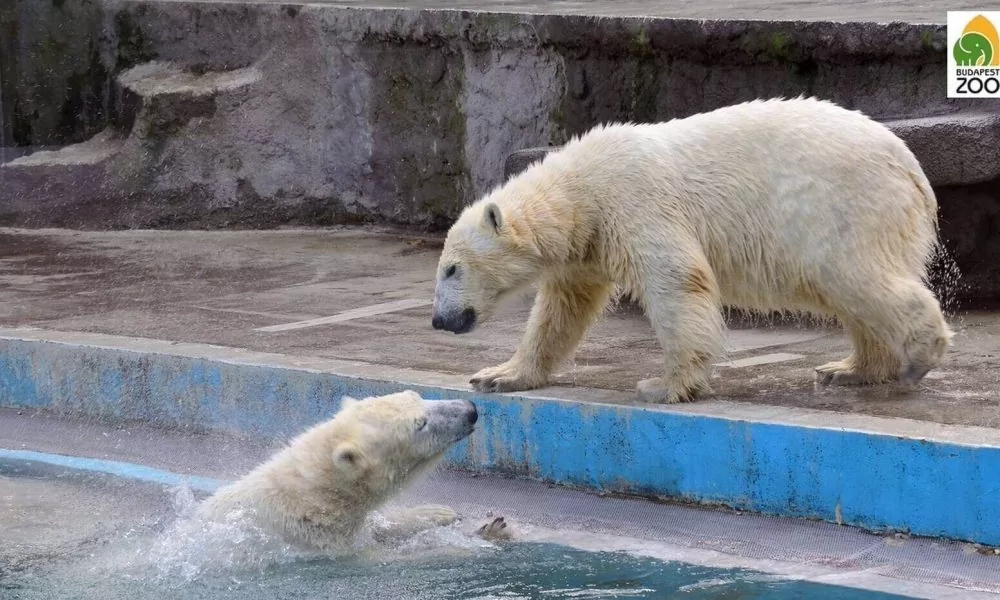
(421, 423)
(450, 272)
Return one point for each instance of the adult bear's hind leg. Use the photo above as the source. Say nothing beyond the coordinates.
(898, 331)
(870, 362)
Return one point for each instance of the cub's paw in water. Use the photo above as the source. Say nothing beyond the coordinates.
(495, 529)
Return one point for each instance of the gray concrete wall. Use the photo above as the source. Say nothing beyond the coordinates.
(404, 116)
(254, 115)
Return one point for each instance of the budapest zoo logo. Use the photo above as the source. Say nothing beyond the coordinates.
(974, 64)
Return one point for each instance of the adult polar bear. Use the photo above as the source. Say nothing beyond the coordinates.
(782, 204)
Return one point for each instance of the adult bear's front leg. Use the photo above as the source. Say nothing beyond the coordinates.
(565, 306)
(510, 376)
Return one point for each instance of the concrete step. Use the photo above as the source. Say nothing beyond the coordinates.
(170, 97)
(93, 152)
(955, 149)
(59, 185)
(106, 178)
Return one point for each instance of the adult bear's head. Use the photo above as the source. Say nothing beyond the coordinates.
(491, 250)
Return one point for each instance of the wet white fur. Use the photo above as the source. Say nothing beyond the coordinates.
(768, 205)
(318, 492)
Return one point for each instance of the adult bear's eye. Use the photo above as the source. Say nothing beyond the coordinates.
(450, 272)
(421, 423)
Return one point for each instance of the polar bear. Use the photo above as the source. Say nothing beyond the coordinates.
(778, 204)
(318, 491)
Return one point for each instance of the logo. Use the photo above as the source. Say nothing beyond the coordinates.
(974, 57)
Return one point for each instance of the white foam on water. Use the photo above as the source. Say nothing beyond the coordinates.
(721, 582)
(598, 593)
(188, 549)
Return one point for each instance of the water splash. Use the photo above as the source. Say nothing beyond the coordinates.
(946, 279)
(189, 549)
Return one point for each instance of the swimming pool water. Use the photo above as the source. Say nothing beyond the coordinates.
(148, 559)
(510, 571)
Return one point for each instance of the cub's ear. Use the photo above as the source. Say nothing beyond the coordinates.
(348, 457)
(492, 217)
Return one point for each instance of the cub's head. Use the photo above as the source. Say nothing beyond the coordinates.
(382, 443)
(487, 254)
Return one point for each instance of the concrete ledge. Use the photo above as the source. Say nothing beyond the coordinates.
(875, 473)
(954, 149)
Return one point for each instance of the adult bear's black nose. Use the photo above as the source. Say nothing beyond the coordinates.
(462, 322)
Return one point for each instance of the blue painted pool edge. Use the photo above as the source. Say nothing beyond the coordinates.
(857, 478)
(112, 467)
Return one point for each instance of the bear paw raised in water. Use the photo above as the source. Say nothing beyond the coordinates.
(495, 529)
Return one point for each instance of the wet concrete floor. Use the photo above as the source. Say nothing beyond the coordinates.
(371, 293)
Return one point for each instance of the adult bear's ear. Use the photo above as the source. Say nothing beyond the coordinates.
(492, 217)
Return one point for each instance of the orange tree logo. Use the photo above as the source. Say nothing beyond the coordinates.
(978, 45)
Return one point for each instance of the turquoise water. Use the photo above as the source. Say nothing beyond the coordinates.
(446, 565)
(154, 557)
(516, 571)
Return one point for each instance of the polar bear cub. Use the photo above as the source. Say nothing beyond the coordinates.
(790, 205)
(318, 491)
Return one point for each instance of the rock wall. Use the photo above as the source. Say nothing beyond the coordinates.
(189, 114)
